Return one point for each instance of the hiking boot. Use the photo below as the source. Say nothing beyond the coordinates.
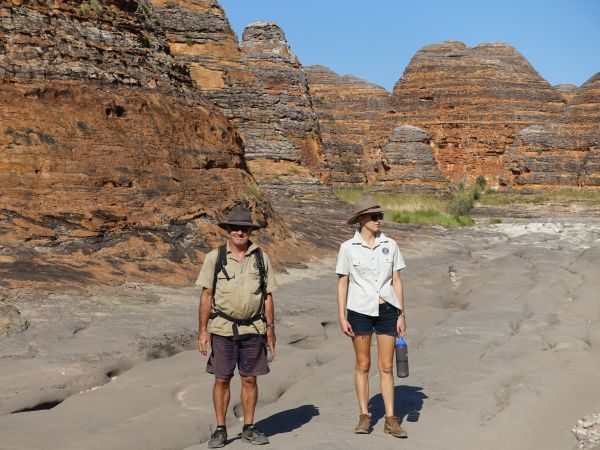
(254, 436)
(392, 426)
(364, 424)
(217, 439)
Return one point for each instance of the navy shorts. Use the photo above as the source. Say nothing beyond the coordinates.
(248, 353)
(385, 323)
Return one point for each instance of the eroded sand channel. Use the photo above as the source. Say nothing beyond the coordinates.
(504, 349)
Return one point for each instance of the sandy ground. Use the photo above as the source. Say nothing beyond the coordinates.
(504, 350)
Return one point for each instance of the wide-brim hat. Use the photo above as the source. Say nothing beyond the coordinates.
(240, 216)
(365, 205)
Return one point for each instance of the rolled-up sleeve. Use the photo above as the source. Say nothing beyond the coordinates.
(343, 265)
(399, 263)
(271, 281)
(207, 272)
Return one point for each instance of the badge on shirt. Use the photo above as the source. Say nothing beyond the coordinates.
(385, 250)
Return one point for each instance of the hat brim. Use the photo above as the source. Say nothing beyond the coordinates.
(251, 225)
(354, 218)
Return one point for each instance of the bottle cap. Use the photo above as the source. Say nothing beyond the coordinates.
(400, 341)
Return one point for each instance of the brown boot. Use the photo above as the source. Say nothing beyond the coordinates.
(392, 426)
(364, 424)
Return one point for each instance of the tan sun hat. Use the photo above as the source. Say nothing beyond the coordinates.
(365, 205)
(240, 215)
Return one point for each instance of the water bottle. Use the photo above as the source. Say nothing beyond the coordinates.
(401, 358)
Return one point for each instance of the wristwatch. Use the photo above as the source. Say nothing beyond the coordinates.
(270, 325)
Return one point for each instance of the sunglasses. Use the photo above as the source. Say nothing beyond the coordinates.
(375, 217)
(242, 228)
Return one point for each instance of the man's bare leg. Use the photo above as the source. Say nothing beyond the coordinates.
(221, 395)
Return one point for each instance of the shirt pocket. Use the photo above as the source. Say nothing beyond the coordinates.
(360, 267)
(387, 263)
(224, 285)
(253, 280)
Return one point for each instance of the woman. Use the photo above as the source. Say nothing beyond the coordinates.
(369, 287)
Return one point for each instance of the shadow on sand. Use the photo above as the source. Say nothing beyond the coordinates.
(408, 401)
(289, 420)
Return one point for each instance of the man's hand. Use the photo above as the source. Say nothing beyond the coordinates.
(203, 342)
(346, 327)
(271, 340)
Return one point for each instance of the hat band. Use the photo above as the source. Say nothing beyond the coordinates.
(362, 211)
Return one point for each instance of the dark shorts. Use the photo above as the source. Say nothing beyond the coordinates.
(249, 353)
(385, 323)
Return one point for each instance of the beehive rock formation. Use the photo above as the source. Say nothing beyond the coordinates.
(294, 131)
(259, 84)
(473, 102)
(351, 116)
(111, 165)
(110, 42)
(409, 162)
(563, 153)
(199, 37)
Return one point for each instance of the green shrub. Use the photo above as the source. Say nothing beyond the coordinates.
(90, 9)
(461, 201)
(411, 207)
(480, 183)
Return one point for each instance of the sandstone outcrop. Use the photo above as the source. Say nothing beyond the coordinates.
(259, 85)
(353, 128)
(587, 432)
(294, 130)
(11, 320)
(111, 165)
(200, 38)
(566, 91)
(563, 153)
(135, 181)
(409, 161)
(112, 42)
(473, 102)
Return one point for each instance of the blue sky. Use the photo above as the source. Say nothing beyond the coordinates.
(376, 39)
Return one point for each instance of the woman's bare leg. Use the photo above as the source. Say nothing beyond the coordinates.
(362, 349)
(385, 362)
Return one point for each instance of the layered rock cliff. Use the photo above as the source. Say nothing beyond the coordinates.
(111, 42)
(473, 102)
(565, 152)
(111, 165)
(259, 84)
(409, 162)
(351, 112)
(294, 130)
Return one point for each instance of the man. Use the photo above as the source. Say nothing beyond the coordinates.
(237, 284)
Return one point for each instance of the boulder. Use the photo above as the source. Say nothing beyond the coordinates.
(11, 320)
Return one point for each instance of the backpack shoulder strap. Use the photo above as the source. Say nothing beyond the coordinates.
(219, 266)
(260, 263)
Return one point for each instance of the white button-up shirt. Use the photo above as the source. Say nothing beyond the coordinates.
(370, 272)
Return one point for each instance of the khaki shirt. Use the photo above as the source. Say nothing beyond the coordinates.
(370, 272)
(240, 296)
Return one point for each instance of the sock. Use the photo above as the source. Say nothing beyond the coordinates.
(221, 427)
(246, 426)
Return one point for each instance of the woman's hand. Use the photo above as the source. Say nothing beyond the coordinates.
(401, 325)
(346, 328)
